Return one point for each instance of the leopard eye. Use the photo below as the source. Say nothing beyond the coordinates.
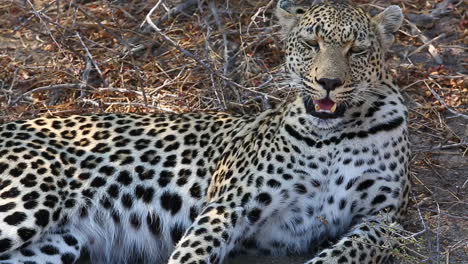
(311, 44)
(358, 51)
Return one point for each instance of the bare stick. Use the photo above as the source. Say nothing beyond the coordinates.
(453, 47)
(88, 54)
(438, 234)
(432, 50)
(122, 41)
(214, 11)
(175, 44)
(441, 101)
(85, 76)
(13, 82)
(180, 8)
(192, 56)
(440, 147)
(461, 76)
(221, 101)
(412, 84)
(48, 88)
(261, 10)
(422, 221)
(165, 109)
(44, 23)
(447, 214)
(428, 43)
(143, 92)
(26, 21)
(78, 86)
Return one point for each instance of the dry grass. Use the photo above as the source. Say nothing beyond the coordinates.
(66, 57)
(109, 63)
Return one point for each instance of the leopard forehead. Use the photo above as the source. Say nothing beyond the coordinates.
(335, 23)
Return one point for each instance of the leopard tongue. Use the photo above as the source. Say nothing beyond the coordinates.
(325, 105)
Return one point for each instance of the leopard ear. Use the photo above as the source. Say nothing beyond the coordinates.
(288, 14)
(387, 23)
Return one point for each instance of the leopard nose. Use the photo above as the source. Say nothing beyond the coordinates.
(330, 84)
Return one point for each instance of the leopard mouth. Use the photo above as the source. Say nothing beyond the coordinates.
(324, 108)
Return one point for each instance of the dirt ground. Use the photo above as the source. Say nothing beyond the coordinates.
(83, 56)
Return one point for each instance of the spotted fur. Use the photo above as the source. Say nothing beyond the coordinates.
(192, 188)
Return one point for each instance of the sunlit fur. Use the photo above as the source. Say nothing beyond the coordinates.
(194, 187)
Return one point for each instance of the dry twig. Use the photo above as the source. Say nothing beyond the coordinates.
(427, 43)
(192, 56)
(48, 88)
(180, 8)
(442, 101)
(111, 32)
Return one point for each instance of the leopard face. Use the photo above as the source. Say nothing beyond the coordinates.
(335, 54)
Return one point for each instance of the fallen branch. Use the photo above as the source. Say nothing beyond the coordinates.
(175, 44)
(36, 13)
(219, 96)
(412, 84)
(192, 56)
(85, 76)
(78, 86)
(461, 76)
(48, 88)
(121, 40)
(443, 147)
(26, 21)
(442, 102)
(141, 105)
(180, 8)
(214, 11)
(428, 43)
(91, 59)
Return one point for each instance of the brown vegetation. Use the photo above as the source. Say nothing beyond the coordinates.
(82, 56)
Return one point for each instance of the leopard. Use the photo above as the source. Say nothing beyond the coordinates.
(326, 173)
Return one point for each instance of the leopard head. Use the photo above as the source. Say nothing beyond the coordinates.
(335, 53)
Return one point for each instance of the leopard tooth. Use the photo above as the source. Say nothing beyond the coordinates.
(333, 108)
(317, 107)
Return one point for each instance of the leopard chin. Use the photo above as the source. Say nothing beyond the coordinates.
(325, 124)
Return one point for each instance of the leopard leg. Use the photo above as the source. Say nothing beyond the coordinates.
(370, 241)
(58, 248)
(211, 236)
